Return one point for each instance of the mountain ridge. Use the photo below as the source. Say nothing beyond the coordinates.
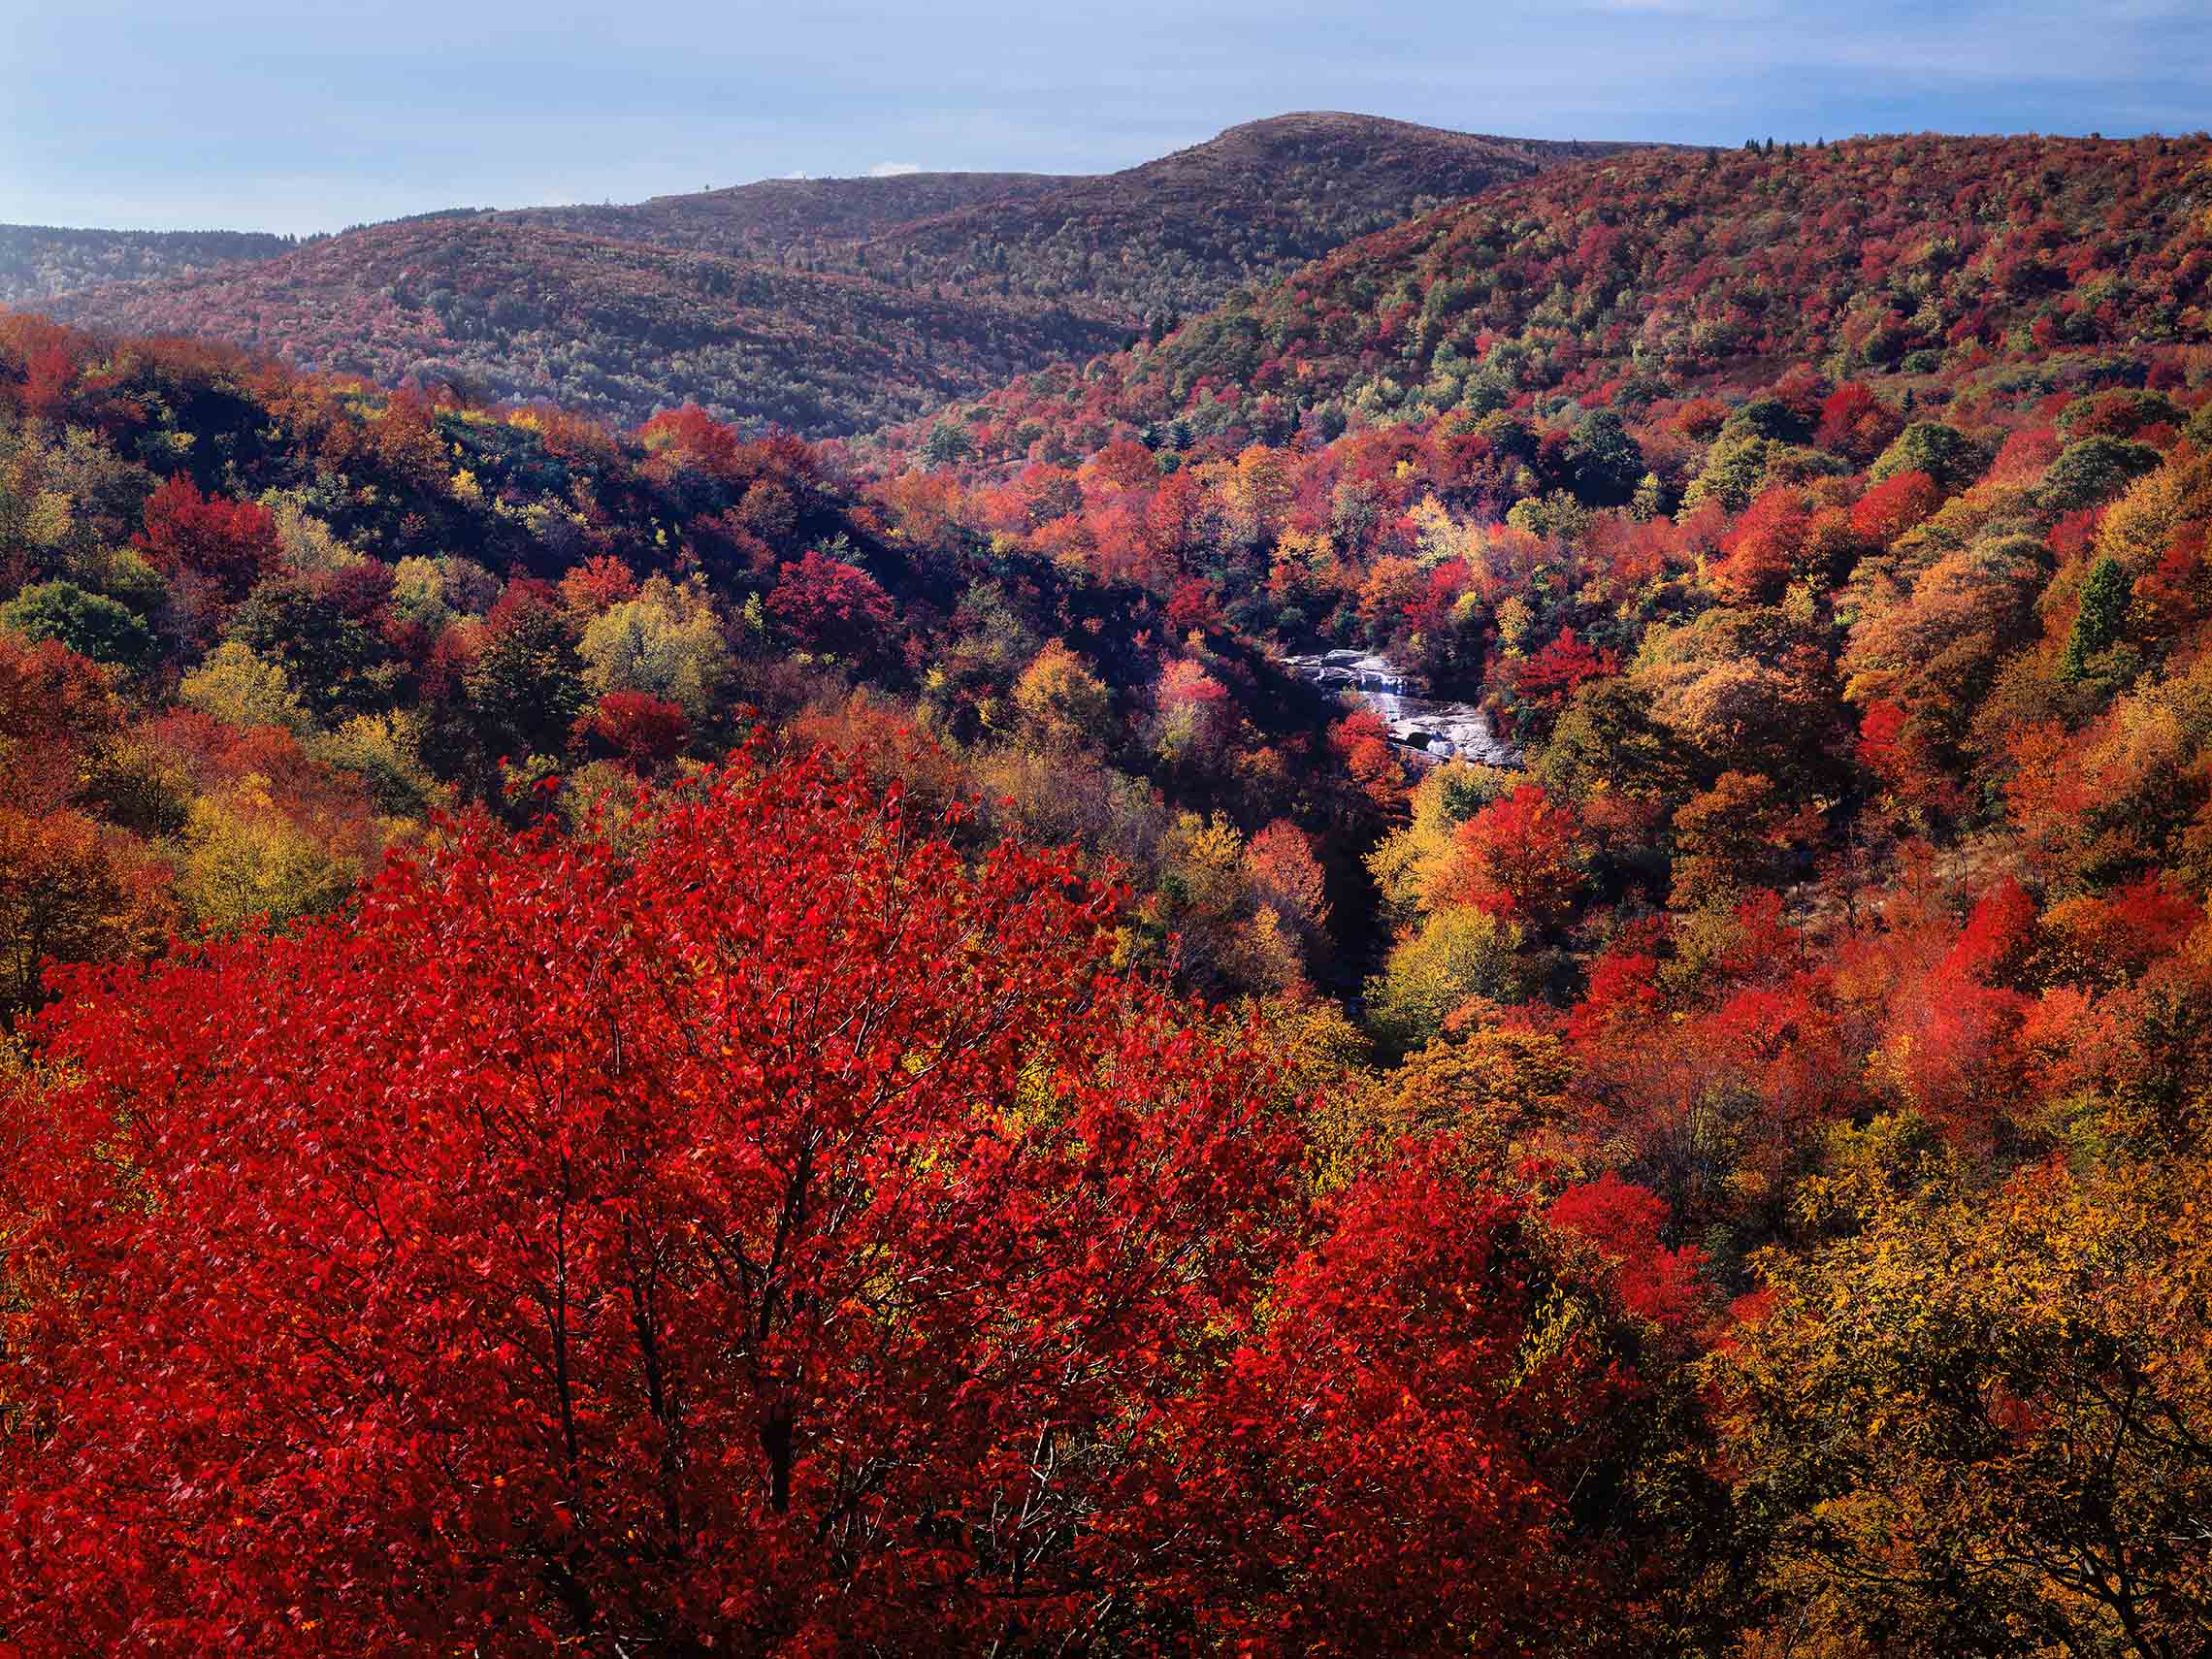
(38, 262)
(998, 274)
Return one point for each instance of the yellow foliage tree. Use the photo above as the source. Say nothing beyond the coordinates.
(1983, 1423)
(1456, 956)
(666, 642)
(246, 863)
(1496, 1090)
(1406, 862)
(240, 688)
(1064, 708)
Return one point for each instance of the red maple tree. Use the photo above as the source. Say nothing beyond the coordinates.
(776, 1238)
(198, 538)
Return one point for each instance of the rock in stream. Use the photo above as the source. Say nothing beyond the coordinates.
(1432, 728)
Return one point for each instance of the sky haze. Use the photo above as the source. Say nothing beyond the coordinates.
(264, 115)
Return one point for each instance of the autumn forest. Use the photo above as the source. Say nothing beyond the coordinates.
(768, 1010)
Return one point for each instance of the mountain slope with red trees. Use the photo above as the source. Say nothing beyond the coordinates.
(615, 329)
(1639, 275)
(825, 306)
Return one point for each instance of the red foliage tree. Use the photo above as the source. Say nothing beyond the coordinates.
(1996, 935)
(1766, 546)
(1700, 418)
(1519, 857)
(1388, 1470)
(49, 377)
(1551, 675)
(1288, 875)
(1624, 1221)
(1362, 745)
(1193, 607)
(1892, 747)
(211, 545)
(1170, 518)
(691, 436)
(71, 891)
(1623, 993)
(55, 705)
(645, 730)
(596, 584)
(1895, 505)
(773, 1240)
(830, 605)
(1855, 423)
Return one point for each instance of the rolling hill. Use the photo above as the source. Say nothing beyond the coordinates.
(1171, 235)
(37, 262)
(831, 305)
(517, 313)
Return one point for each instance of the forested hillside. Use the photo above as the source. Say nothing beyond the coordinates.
(823, 306)
(38, 262)
(398, 607)
(1146, 245)
(612, 329)
(791, 220)
(1647, 275)
(642, 1040)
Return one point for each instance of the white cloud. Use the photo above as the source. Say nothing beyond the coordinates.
(894, 168)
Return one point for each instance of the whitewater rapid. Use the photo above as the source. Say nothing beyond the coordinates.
(1431, 727)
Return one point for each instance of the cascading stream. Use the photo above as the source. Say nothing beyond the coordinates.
(1431, 729)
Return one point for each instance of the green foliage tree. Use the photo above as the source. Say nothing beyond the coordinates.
(1607, 463)
(527, 685)
(2099, 623)
(2095, 469)
(1734, 473)
(91, 625)
(947, 445)
(327, 655)
(1944, 452)
(1767, 416)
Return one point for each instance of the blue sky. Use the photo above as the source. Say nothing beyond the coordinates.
(310, 115)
